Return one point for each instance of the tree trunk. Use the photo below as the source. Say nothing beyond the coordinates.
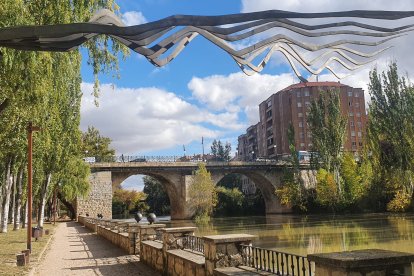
(43, 195)
(24, 215)
(13, 200)
(19, 193)
(6, 198)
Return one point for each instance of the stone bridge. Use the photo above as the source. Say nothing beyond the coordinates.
(176, 178)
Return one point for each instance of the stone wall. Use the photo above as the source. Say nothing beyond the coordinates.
(119, 239)
(181, 262)
(99, 199)
(151, 255)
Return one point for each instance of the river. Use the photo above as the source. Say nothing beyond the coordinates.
(317, 233)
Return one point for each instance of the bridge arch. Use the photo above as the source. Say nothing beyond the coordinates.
(170, 183)
(266, 183)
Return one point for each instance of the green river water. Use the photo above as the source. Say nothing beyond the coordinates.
(317, 233)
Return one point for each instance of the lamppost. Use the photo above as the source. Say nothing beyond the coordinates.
(275, 152)
(30, 130)
(252, 155)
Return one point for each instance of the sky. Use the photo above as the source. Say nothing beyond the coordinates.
(203, 93)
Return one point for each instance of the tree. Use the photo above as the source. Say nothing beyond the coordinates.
(202, 194)
(221, 153)
(127, 200)
(96, 145)
(390, 136)
(44, 87)
(328, 127)
(292, 191)
(157, 198)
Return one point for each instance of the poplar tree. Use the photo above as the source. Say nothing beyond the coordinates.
(328, 128)
(202, 194)
(390, 136)
(44, 87)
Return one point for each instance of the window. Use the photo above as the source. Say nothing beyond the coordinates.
(353, 143)
(299, 104)
(352, 133)
(349, 93)
(358, 114)
(309, 134)
(357, 104)
(300, 124)
(302, 145)
(359, 124)
(360, 144)
(359, 134)
(356, 94)
(298, 94)
(351, 114)
(306, 93)
(351, 123)
(307, 104)
(269, 114)
(307, 113)
(300, 115)
(301, 135)
(269, 103)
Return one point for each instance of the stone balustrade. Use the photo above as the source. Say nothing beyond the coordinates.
(372, 262)
(224, 250)
(223, 254)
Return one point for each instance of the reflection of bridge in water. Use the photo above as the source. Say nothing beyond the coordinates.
(176, 175)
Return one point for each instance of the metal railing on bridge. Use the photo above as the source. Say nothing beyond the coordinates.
(169, 159)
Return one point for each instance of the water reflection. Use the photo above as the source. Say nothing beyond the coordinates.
(314, 234)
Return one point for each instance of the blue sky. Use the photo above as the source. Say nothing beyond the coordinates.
(155, 111)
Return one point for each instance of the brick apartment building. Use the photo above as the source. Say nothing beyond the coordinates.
(268, 138)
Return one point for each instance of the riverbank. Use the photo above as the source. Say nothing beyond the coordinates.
(77, 251)
(14, 242)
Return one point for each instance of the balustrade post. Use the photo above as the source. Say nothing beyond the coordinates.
(143, 232)
(375, 262)
(224, 250)
(172, 238)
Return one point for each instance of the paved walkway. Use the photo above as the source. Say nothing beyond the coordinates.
(74, 250)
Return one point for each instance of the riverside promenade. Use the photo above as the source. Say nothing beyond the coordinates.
(75, 250)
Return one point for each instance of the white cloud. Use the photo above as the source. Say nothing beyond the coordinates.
(132, 18)
(147, 119)
(324, 5)
(237, 91)
(401, 51)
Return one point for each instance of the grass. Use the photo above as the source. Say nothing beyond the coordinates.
(14, 242)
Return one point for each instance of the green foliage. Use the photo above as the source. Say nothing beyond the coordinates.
(326, 189)
(220, 152)
(400, 203)
(328, 128)
(74, 179)
(390, 136)
(125, 201)
(157, 198)
(230, 201)
(292, 192)
(352, 179)
(44, 87)
(202, 192)
(96, 145)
